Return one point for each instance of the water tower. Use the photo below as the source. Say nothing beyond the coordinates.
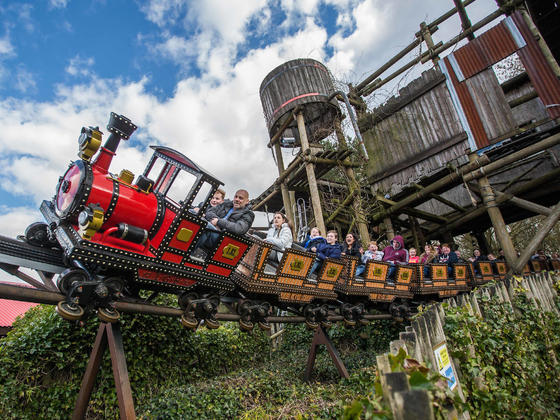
(298, 99)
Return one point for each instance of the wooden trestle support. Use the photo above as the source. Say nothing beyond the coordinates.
(107, 334)
(321, 337)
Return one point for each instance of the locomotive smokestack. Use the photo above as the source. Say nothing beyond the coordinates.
(120, 127)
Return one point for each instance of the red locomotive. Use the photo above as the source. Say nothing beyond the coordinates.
(119, 235)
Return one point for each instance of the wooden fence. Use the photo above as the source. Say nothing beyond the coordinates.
(425, 341)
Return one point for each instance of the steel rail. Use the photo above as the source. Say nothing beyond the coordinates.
(27, 294)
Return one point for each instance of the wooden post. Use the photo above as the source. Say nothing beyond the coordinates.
(354, 186)
(310, 169)
(389, 228)
(107, 334)
(288, 207)
(414, 229)
(427, 35)
(465, 21)
(497, 221)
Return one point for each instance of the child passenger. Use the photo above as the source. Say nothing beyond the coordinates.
(331, 249)
(372, 253)
(412, 257)
(315, 238)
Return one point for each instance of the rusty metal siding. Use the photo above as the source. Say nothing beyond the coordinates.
(467, 106)
(543, 78)
(492, 46)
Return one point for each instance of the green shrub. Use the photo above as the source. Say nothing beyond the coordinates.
(514, 370)
(43, 360)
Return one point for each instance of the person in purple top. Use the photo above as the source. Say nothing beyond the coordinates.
(395, 253)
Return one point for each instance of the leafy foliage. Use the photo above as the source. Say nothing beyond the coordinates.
(509, 358)
(177, 374)
(44, 358)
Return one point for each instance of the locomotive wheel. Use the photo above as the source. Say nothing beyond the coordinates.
(246, 325)
(265, 326)
(37, 234)
(114, 284)
(69, 311)
(312, 325)
(108, 315)
(349, 322)
(68, 277)
(326, 324)
(186, 298)
(188, 322)
(211, 323)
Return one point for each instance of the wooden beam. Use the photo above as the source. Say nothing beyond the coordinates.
(529, 250)
(442, 200)
(476, 212)
(414, 212)
(332, 162)
(310, 169)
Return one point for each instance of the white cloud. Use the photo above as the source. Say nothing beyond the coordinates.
(6, 47)
(58, 4)
(79, 66)
(163, 12)
(24, 81)
(13, 221)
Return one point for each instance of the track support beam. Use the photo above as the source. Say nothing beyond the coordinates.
(107, 334)
(321, 337)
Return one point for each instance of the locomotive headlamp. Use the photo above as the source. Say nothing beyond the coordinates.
(90, 220)
(89, 142)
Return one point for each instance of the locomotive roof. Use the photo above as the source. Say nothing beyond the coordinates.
(182, 161)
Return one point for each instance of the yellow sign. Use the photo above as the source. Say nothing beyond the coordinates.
(184, 235)
(444, 365)
(230, 252)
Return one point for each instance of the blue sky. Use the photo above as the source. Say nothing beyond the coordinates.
(186, 72)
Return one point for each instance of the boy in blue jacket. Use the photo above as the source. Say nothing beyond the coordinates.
(331, 249)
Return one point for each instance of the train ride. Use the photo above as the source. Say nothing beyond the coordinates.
(121, 234)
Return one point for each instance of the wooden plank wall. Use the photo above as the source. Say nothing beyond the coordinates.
(419, 131)
(409, 125)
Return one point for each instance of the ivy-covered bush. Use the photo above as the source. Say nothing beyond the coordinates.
(44, 357)
(509, 358)
(176, 374)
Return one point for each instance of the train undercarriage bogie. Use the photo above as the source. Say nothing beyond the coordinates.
(199, 309)
(86, 293)
(253, 312)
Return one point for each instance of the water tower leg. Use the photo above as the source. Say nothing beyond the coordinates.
(288, 205)
(310, 169)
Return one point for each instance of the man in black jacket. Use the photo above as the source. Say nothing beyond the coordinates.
(447, 257)
(231, 215)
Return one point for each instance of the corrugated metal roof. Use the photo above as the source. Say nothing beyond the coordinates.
(11, 309)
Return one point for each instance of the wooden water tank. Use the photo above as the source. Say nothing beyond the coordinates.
(306, 83)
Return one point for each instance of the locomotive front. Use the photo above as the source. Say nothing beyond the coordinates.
(95, 200)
